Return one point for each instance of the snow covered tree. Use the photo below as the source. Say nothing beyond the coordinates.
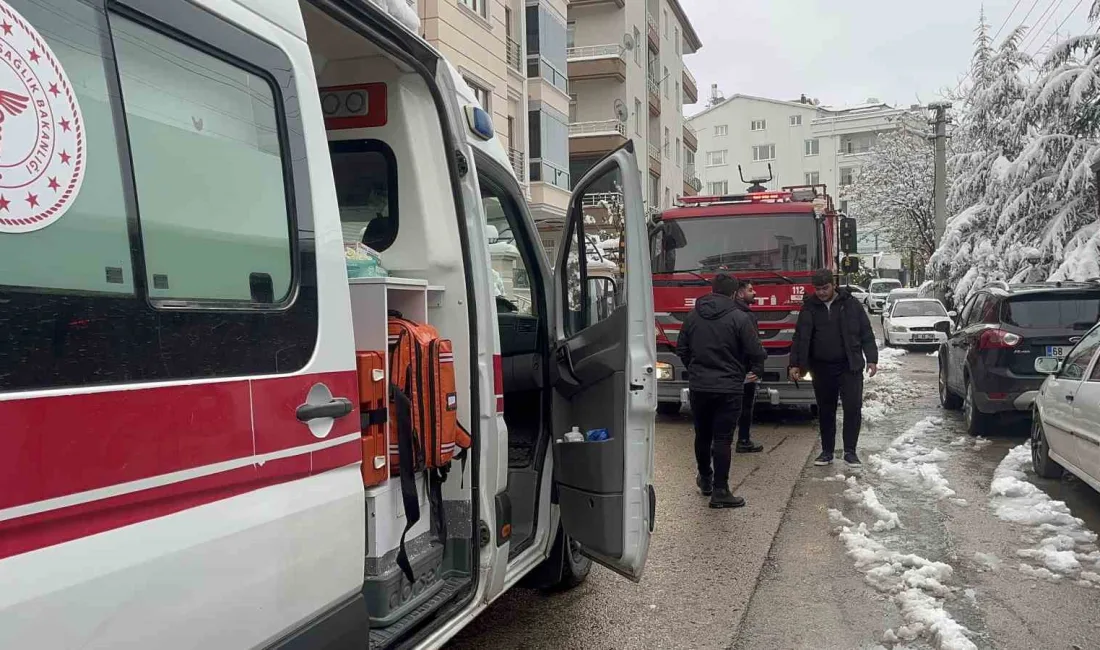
(893, 191)
(991, 131)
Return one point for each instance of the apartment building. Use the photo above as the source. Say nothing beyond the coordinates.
(627, 80)
(512, 53)
(803, 142)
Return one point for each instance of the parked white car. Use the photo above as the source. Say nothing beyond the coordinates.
(858, 292)
(878, 290)
(1065, 425)
(914, 321)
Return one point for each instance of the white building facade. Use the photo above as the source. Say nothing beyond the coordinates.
(803, 143)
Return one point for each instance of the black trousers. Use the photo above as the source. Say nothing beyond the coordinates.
(715, 415)
(744, 424)
(830, 382)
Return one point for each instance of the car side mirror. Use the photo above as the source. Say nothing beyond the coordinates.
(1047, 365)
(953, 313)
(943, 326)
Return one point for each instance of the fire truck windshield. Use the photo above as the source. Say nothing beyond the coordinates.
(776, 242)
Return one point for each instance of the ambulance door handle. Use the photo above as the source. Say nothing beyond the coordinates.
(337, 408)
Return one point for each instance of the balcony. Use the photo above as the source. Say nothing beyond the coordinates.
(585, 3)
(597, 62)
(596, 138)
(519, 164)
(691, 140)
(515, 56)
(654, 159)
(691, 89)
(692, 184)
(653, 31)
(654, 96)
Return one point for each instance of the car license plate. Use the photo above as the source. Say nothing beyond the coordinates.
(1058, 351)
(924, 337)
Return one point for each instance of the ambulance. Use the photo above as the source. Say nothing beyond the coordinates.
(199, 446)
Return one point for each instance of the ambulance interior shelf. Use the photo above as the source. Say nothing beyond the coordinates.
(371, 301)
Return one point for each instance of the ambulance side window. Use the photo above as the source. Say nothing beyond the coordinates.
(166, 232)
(210, 230)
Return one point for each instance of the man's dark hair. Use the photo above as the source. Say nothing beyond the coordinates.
(822, 277)
(724, 284)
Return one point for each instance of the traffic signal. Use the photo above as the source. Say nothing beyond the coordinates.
(850, 264)
(848, 238)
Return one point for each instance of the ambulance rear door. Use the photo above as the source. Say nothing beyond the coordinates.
(602, 373)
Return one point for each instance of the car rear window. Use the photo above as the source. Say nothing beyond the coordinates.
(1077, 312)
(884, 287)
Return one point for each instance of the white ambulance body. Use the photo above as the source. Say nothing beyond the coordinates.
(180, 433)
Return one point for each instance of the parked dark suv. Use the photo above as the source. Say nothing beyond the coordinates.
(987, 363)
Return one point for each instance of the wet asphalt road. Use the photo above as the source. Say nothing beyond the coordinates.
(774, 575)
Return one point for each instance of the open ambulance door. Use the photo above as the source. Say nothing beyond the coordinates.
(602, 372)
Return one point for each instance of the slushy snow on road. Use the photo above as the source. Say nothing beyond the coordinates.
(1061, 545)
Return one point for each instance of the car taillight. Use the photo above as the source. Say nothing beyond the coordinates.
(994, 339)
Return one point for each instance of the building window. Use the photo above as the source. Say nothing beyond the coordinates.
(572, 108)
(677, 152)
(664, 83)
(547, 35)
(847, 175)
(718, 188)
(548, 145)
(637, 116)
(665, 22)
(668, 198)
(637, 46)
(570, 34)
(812, 147)
(813, 178)
(689, 157)
(758, 125)
(480, 92)
(721, 130)
(844, 207)
(666, 146)
(676, 40)
(479, 7)
(763, 152)
(716, 158)
(796, 120)
(677, 96)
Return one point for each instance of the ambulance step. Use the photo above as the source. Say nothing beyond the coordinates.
(389, 595)
(381, 638)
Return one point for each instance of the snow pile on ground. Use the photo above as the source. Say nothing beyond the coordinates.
(918, 586)
(977, 442)
(908, 462)
(890, 358)
(866, 498)
(1061, 545)
(883, 390)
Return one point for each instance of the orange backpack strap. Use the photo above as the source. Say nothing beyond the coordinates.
(407, 474)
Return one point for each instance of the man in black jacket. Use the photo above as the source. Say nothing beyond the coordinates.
(745, 298)
(832, 338)
(720, 347)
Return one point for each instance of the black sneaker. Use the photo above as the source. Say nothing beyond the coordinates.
(824, 459)
(852, 460)
(723, 498)
(748, 447)
(705, 483)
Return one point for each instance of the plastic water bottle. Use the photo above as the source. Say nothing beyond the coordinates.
(574, 435)
(597, 435)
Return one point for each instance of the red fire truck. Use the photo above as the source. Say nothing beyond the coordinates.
(775, 239)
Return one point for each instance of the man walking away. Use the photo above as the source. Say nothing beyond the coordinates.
(832, 338)
(745, 299)
(719, 346)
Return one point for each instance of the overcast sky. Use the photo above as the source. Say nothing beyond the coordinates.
(845, 52)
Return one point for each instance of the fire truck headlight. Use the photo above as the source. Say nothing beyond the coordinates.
(664, 371)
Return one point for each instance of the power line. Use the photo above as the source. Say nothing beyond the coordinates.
(1041, 23)
(1064, 21)
(1028, 14)
(1006, 19)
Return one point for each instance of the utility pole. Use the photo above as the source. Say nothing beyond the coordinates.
(939, 137)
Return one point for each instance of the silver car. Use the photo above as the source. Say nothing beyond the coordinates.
(877, 292)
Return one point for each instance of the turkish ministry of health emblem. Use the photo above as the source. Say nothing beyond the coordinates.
(42, 146)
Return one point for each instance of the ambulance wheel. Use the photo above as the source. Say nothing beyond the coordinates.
(668, 408)
(574, 566)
